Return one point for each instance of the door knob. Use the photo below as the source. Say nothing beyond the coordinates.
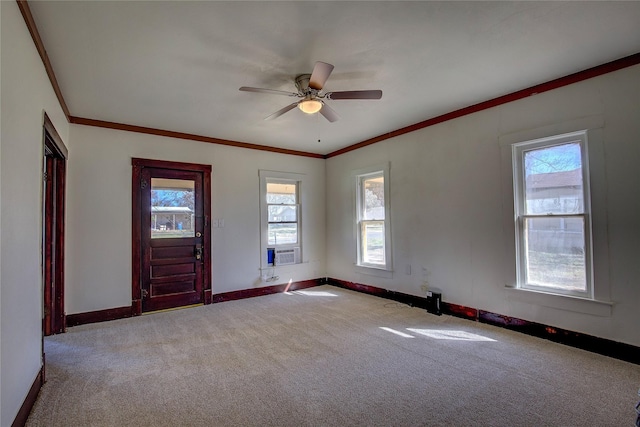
(198, 251)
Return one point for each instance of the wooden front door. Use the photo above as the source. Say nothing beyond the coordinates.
(172, 209)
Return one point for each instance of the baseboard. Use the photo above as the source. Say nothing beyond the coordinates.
(99, 316)
(29, 401)
(411, 300)
(266, 290)
(606, 347)
(124, 312)
(614, 349)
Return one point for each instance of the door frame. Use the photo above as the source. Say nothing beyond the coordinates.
(136, 225)
(55, 156)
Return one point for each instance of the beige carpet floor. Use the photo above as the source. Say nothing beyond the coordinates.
(324, 356)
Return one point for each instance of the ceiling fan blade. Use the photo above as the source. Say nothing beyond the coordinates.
(282, 111)
(319, 75)
(328, 113)
(270, 91)
(355, 94)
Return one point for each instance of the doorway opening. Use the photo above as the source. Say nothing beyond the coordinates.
(53, 212)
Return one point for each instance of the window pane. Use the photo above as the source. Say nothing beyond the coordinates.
(553, 181)
(373, 242)
(281, 193)
(555, 253)
(282, 234)
(172, 208)
(373, 198)
(282, 213)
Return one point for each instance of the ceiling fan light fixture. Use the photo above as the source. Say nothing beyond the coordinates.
(310, 106)
(309, 87)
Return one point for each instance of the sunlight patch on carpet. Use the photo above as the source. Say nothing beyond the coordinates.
(312, 293)
(393, 331)
(441, 334)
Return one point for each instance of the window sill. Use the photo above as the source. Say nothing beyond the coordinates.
(562, 302)
(374, 271)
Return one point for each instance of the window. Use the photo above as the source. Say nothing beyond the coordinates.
(282, 212)
(280, 219)
(552, 203)
(372, 211)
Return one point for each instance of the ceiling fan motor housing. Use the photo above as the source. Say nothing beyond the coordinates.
(302, 83)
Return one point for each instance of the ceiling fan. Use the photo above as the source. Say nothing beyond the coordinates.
(309, 87)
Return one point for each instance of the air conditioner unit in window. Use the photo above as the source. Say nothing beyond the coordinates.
(287, 256)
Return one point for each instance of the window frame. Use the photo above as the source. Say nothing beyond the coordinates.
(360, 176)
(519, 149)
(295, 205)
(281, 178)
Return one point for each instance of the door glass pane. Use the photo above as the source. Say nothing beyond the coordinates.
(553, 181)
(555, 251)
(373, 242)
(282, 234)
(373, 197)
(172, 208)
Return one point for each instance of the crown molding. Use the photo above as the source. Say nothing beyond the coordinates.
(188, 136)
(589, 73)
(23, 5)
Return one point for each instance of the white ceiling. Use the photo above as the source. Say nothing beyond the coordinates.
(178, 65)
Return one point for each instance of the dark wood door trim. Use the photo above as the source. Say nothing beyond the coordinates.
(48, 250)
(138, 165)
(55, 165)
(57, 145)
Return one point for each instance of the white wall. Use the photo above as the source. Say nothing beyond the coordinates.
(450, 203)
(98, 262)
(26, 95)
(452, 207)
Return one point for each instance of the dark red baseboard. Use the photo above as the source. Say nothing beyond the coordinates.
(29, 401)
(411, 300)
(99, 316)
(267, 290)
(590, 343)
(123, 312)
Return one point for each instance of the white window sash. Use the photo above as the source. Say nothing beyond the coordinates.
(362, 175)
(363, 243)
(518, 153)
